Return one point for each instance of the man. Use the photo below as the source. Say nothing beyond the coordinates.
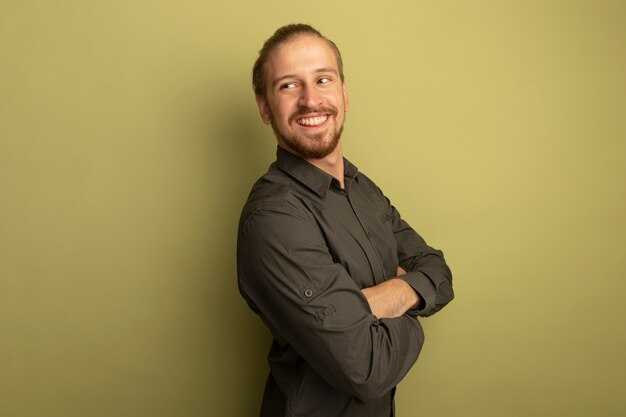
(322, 255)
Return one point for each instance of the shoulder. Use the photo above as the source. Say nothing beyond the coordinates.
(366, 181)
(369, 187)
(275, 194)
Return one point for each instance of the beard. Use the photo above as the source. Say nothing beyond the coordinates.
(314, 146)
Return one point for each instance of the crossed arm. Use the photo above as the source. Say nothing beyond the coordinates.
(392, 298)
(310, 302)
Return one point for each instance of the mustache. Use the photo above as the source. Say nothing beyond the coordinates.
(308, 110)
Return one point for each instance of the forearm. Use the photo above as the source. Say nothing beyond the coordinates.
(431, 278)
(392, 298)
(427, 271)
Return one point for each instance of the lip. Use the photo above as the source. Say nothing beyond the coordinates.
(314, 120)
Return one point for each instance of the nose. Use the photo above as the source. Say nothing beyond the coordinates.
(309, 98)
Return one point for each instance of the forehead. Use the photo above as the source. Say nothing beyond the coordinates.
(305, 53)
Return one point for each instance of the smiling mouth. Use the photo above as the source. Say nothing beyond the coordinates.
(312, 121)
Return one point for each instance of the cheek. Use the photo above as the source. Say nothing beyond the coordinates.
(284, 108)
(337, 99)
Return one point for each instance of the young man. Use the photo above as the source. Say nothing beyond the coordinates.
(322, 255)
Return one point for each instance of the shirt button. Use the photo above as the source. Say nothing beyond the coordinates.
(308, 293)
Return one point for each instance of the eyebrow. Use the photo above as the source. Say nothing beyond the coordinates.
(278, 80)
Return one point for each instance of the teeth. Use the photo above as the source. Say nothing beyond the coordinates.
(312, 121)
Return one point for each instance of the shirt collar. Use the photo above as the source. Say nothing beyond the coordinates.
(308, 174)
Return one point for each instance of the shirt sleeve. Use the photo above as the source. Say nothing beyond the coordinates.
(287, 274)
(427, 271)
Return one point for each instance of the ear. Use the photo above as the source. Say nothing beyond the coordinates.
(264, 109)
(346, 102)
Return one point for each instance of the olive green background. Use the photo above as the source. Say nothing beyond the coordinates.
(129, 139)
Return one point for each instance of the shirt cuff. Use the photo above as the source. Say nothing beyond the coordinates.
(424, 288)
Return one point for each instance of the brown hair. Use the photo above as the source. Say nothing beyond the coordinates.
(282, 35)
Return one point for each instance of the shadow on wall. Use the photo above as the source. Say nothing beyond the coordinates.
(244, 148)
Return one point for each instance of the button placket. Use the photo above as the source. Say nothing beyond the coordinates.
(369, 237)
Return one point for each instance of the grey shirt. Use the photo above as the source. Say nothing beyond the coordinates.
(305, 249)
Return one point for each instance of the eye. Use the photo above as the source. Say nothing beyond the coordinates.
(287, 86)
(324, 80)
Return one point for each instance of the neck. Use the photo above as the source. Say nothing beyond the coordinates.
(331, 164)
